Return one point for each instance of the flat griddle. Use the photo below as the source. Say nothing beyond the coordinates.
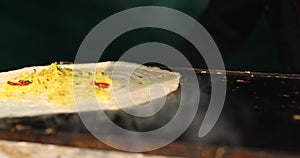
(261, 115)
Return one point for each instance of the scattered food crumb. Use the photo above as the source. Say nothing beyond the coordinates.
(220, 152)
(240, 81)
(20, 127)
(296, 117)
(49, 131)
(286, 95)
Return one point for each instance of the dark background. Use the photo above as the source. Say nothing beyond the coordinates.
(41, 32)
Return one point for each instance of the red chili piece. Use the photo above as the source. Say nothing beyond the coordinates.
(101, 84)
(20, 83)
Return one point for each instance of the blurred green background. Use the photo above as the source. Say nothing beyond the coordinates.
(41, 32)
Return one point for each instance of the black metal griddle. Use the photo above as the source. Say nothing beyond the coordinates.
(261, 115)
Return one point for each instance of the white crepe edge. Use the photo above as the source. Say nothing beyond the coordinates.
(20, 108)
(12, 149)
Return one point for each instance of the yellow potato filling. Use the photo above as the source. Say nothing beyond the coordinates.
(58, 84)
